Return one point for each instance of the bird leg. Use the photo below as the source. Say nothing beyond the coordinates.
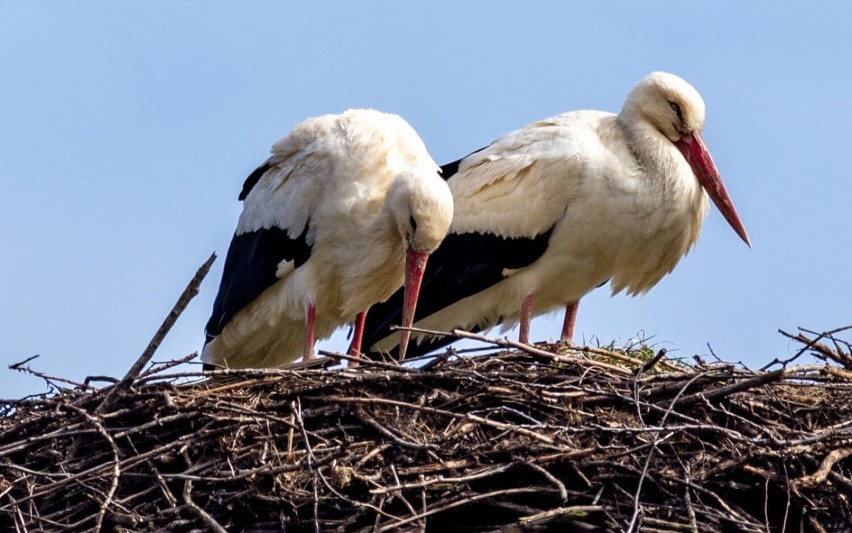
(526, 318)
(310, 322)
(570, 321)
(357, 336)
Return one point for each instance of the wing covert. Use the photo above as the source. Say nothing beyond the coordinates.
(519, 186)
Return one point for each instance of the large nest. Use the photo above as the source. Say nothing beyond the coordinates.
(526, 439)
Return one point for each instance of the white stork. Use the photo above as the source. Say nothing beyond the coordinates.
(347, 208)
(547, 213)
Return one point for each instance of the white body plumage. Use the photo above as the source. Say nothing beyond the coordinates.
(623, 197)
(355, 190)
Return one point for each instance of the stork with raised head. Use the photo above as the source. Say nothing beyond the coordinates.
(547, 213)
(345, 211)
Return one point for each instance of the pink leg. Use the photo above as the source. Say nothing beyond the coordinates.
(526, 318)
(357, 335)
(570, 320)
(310, 322)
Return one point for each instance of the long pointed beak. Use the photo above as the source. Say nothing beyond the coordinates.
(415, 265)
(693, 149)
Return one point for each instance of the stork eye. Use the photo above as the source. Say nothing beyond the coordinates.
(413, 224)
(677, 110)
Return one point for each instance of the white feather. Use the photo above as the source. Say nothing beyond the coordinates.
(333, 173)
(621, 199)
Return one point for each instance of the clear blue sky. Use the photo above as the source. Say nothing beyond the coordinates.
(127, 129)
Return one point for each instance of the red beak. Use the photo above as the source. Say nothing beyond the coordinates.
(693, 149)
(415, 264)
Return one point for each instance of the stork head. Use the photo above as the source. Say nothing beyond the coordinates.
(675, 110)
(422, 208)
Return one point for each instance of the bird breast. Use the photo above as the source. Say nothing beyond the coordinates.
(628, 222)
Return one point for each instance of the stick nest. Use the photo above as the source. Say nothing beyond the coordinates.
(545, 437)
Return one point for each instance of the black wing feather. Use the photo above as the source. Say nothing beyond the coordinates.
(252, 180)
(250, 266)
(450, 169)
(462, 266)
(252, 260)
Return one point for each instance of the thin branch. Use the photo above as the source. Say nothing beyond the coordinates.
(186, 296)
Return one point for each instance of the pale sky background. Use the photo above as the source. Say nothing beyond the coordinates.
(127, 129)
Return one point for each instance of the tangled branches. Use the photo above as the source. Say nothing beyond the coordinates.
(535, 438)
